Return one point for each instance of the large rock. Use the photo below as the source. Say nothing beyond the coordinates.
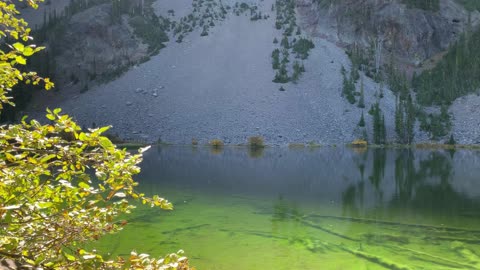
(413, 35)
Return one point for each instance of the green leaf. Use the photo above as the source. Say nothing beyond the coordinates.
(82, 136)
(103, 129)
(106, 143)
(83, 185)
(47, 158)
(19, 46)
(43, 205)
(50, 116)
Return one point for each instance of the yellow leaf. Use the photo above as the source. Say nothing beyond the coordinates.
(21, 60)
(19, 46)
(28, 51)
(14, 34)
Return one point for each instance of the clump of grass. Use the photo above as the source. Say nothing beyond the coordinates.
(216, 143)
(313, 144)
(256, 142)
(296, 145)
(359, 143)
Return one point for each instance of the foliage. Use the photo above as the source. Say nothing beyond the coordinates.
(151, 30)
(437, 125)
(348, 89)
(217, 143)
(361, 123)
(15, 29)
(302, 47)
(454, 76)
(405, 118)
(451, 141)
(358, 58)
(282, 75)
(361, 100)
(359, 143)
(256, 142)
(276, 59)
(297, 71)
(60, 186)
(470, 5)
(194, 141)
(379, 131)
(284, 43)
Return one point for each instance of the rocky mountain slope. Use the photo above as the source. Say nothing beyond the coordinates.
(214, 78)
(411, 34)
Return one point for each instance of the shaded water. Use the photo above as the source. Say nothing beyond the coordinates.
(327, 208)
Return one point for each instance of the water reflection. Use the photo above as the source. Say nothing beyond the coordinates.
(359, 181)
(255, 152)
(340, 209)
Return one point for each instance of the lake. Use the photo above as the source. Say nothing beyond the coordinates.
(302, 208)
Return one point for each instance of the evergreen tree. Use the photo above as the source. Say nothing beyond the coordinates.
(348, 89)
(410, 120)
(405, 118)
(361, 101)
(399, 122)
(379, 131)
(282, 75)
(297, 71)
(285, 56)
(451, 141)
(362, 121)
(284, 43)
(276, 59)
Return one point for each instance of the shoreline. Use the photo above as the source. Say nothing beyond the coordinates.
(296, 146)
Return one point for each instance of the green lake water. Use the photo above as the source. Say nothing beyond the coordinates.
(325, 208)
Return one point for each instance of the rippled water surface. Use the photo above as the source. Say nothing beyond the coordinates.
(325, 208)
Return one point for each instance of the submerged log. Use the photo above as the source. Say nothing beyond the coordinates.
(392, 223)
(377, 259)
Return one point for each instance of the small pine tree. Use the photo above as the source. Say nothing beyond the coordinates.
(361, 101)
(381, 95)
(410, 119)
(379, 131)
(276, 59)
(297, 71)
(362, 121)
(285, 56)
(275, 40)
(282, 75)
(451, 141)
(399, 122)
(284, 43)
